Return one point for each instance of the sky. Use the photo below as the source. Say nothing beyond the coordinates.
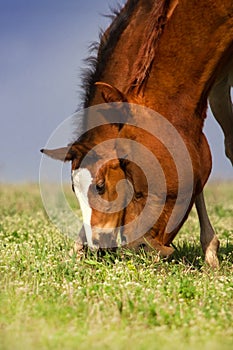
(43, 49)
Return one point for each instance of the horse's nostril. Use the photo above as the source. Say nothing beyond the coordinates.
(142, 246)
(95, 242)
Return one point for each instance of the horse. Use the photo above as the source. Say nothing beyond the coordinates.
(167, 56)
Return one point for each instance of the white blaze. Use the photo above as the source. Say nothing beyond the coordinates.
(82, 180)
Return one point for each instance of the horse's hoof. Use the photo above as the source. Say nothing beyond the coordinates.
(212, 260)
(211, 253)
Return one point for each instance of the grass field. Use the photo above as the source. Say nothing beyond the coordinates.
(48, 300)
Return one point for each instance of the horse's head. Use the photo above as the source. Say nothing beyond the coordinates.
(97, 182)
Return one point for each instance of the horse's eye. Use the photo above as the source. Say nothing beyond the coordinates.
(138, 195)
(100, 187)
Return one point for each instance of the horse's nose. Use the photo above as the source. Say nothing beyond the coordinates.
(104, 240)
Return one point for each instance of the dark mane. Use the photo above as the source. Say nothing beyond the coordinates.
(153, 31)
(99, 52)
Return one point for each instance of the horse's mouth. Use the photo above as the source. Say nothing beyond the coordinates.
(106, 239)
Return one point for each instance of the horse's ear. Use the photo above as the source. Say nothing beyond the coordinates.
(173, 5)
(64, 154)
(110, 93)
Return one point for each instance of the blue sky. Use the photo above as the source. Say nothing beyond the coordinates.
(43, 44)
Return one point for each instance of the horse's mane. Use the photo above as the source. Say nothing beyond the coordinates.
(100, 51)
(147, 53)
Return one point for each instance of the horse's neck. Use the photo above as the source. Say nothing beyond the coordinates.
(192, 44)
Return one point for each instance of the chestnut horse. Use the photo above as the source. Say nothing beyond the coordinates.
(168, 56)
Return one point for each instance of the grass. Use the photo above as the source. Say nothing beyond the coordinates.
(48, 300)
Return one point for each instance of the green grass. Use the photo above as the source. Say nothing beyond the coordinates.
(49, 300)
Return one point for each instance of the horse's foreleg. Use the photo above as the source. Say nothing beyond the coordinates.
(209, 241)
(221, 106)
